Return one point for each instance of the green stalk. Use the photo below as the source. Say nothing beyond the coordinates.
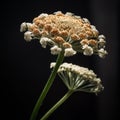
(47, 86)
(60, 102)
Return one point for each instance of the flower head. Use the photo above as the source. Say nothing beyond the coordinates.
(67, 31)
(79, 78)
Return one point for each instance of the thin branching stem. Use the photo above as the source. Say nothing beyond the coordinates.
(47, 86)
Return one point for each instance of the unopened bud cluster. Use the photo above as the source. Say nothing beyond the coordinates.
(78, 78)
(66, 32)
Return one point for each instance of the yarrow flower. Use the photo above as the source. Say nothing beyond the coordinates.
(66, 34)
(78, 78)
(67, 31)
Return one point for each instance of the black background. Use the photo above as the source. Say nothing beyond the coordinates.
(28, 63)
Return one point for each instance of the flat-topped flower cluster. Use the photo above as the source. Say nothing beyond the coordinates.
(79, 78)
(66, 32)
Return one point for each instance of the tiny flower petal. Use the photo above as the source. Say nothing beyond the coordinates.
(52, 65)
(28, 36)
(55, 50)
(78, 17)
(29, 26)
(69, 52)
(23, 27)
(69, 13)
(93, 28)
(43, 15)
(86, 20)
(102, 53)
(44, 41)
(87, 50)
(101, 37)
(101, 42)
(58, 13)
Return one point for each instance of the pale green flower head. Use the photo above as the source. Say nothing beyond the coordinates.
(78, 78)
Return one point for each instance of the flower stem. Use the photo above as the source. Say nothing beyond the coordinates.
(47, 86)
(60, 102)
